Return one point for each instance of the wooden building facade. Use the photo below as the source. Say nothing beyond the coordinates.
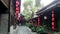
(52, 15)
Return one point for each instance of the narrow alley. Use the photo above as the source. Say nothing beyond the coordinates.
(21, 30)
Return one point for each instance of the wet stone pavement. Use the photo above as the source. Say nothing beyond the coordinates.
(21, 30)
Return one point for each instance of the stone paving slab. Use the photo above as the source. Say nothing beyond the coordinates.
(21, 30)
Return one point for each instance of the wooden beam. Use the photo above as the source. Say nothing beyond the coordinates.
(5, 2)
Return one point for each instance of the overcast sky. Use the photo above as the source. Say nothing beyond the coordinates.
(45, 2)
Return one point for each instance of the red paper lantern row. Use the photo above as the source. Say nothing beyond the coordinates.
(17, 9)
(38, 20)
(53, 28)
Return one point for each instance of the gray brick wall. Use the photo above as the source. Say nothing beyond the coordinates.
(4, 24)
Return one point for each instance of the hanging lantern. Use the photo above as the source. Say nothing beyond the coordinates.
(16, 5)
(52, 23)
(17, 8)
(53, 28)
(17, 12)
(52, 15)
(17, 2)
(52, 19)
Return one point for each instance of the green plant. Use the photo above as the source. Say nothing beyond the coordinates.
(38, 29)
(56, 33)
(33, 29)
(29, 25)
(59, 32)
(41, 30)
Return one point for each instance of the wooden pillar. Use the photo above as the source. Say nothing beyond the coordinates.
(0, 20)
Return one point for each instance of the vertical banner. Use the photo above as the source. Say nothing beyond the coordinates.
(53, 28)
(38, 20)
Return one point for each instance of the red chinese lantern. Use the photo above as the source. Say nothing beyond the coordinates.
(17, 2)
(16, 5)
(53, 28)
(52, 19)
(17, 8)
(17, 12)
(52, 12)
(52, 15)
(52, 23)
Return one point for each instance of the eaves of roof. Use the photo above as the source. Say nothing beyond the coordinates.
(5, 2)
(52, 5)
